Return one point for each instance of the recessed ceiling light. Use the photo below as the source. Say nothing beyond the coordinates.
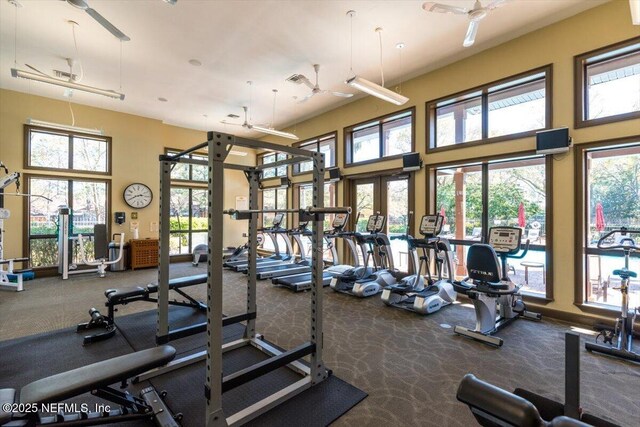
(400, 45)
(195, 62)
(161, 99)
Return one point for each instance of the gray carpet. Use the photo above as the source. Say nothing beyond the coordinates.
(409, 365)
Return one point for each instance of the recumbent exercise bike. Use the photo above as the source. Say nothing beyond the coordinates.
(496, 299)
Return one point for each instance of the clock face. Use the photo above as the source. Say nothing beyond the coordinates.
(138, 195)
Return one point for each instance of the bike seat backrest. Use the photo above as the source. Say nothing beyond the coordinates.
(482, 264)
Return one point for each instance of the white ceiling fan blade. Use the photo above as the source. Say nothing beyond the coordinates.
(340, 94)
(106, 24)
(443, 8)
(306, 98)
(495, 4)
(470, 38)
(229, 123)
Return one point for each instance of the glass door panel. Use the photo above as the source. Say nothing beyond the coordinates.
(396, 206)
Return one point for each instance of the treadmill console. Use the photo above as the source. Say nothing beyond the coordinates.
(339, 221)
(375, 223)
(505, 239)
(431, 225)
(277, 220)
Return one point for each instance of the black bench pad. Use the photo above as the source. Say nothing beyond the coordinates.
(180, 282)
(115, 295)
(62, 386)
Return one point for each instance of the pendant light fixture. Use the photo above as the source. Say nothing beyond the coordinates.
(364, 85)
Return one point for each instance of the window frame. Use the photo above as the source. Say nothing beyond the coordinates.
(580, 62)
(190, 230)
(485, 163)
(70, 135)
(317, 140)
(432, 106)
(581, 223)
(26, 224)
(377, 122)
(260, 161)
(190, 181)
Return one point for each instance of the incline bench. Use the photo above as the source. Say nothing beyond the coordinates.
(46, 395)
(124, 296)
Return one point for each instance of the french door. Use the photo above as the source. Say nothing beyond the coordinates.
(389, 195)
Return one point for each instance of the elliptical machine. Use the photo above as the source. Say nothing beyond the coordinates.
(366, 281)
(410, 293)
(496, 299)
(623, 331)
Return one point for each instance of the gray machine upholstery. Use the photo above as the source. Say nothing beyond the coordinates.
(86, 378)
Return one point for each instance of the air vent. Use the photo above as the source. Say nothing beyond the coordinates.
(295, 78)
(65, 75)
(233, 116)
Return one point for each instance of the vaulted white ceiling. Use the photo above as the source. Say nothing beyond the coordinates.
(264, 41)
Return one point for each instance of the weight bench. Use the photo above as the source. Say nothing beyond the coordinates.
(44, 396)
(124, 296)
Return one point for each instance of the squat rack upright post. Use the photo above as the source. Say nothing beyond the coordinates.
(219, 145)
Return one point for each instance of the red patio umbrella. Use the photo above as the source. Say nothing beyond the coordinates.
(522, 219)
(444, 217)
(600, 223)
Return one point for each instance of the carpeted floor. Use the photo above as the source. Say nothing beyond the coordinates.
(409, 365)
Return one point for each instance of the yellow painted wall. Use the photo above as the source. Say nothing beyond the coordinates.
(556, 44)
(137, 143)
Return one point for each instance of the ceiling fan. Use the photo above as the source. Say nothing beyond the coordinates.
(475, 15)
(259, 128)
(83, 5)
(315, 89)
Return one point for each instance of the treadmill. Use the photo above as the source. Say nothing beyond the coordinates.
(277, 257)
(302, 282)
(299, 267)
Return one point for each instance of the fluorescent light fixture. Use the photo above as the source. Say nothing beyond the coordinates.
(34, 122)
(64, 83)
(376, 90)
(274, 132)
(238, 153)
(634, 5)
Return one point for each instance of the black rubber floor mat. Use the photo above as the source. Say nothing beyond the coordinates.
(139, 329)
(318, 406)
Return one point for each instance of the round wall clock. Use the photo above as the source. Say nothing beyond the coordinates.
(138, 195)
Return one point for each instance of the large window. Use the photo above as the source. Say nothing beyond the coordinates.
(267, 158)
(50, 149)
(188, 220)
(324, 144)
(510, 108)
(385, 137)
(610, 200)
(273, 198)
(607, 86)
(189, 172)
(88, 200)
(514, 192)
